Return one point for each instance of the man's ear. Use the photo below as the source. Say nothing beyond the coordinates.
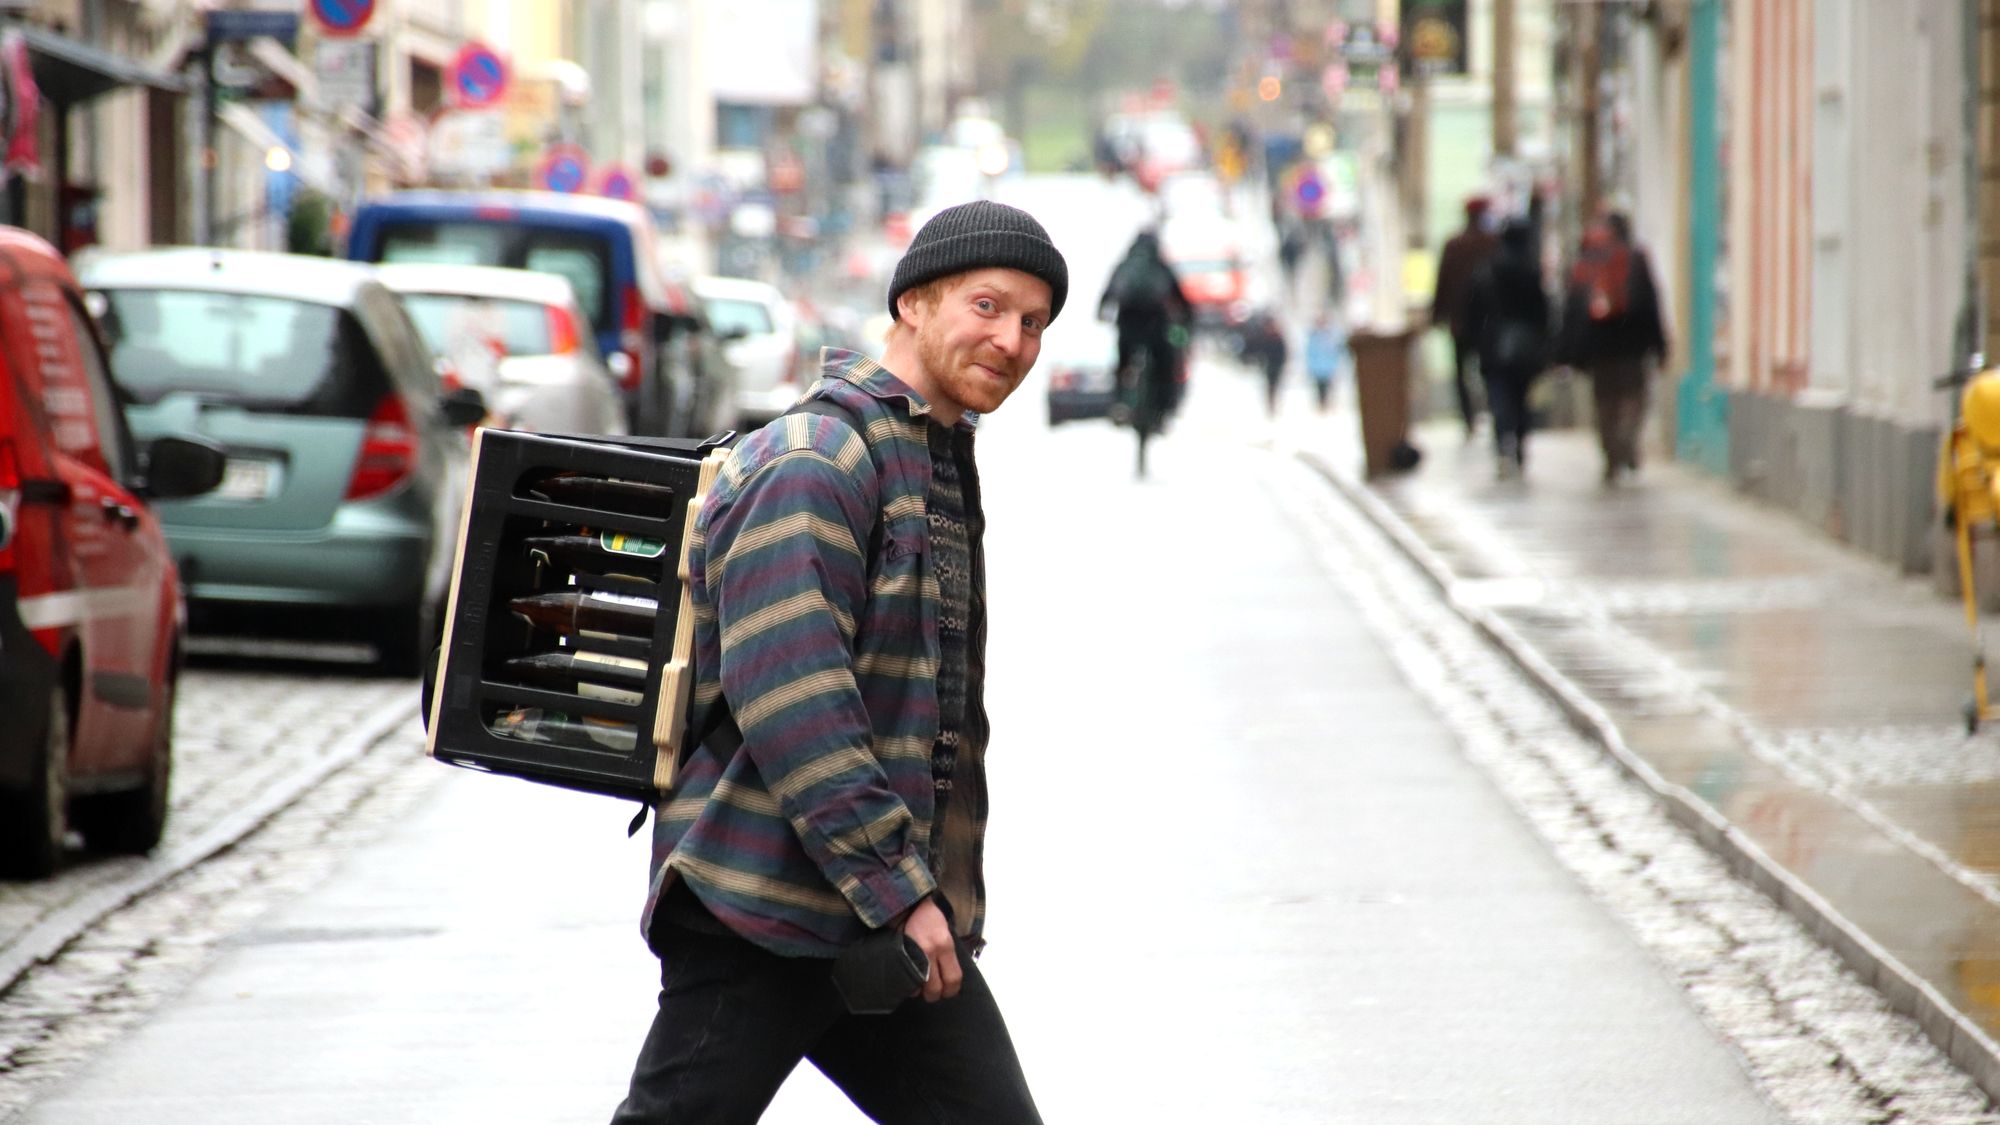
(908, 307)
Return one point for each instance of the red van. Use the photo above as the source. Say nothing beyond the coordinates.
(90, 604)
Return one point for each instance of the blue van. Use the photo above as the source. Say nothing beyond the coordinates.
(651, 332)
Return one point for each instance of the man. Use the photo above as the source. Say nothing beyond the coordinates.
(838, 583)
(1145, 298)
(1613, 328)
(1465, 254)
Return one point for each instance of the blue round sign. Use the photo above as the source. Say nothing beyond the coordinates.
(342, 17)
(478, 76)
(617, 182)
(564, 169)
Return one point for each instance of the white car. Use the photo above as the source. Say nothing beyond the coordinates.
(760, 337)
(520, 338)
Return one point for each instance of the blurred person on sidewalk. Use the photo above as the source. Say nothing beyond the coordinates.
(838, 805)
(1264, 345)
(1612, 329)
(1507, 314)
(1465, 255)
(1326, 354)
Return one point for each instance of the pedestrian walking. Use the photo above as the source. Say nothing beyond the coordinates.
(1612, 329)
(1326, 353)
(838, 581)
(1507, 314)
(1464, 255)
(1264, 345)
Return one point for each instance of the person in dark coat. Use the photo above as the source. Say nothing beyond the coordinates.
(1264, 345)
(1464, 255)
(1144, 298)
(1507, 317)
(1612, 329)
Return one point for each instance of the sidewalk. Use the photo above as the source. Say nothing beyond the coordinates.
(1795, 703)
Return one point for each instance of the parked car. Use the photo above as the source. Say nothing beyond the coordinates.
(517, 337)
(1081, 358)
(607, 250)
(339, 506)
(760, 337)
(91, 617)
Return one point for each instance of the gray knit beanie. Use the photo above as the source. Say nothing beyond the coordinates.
(976, 236)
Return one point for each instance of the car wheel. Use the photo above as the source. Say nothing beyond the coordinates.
(131, 821)
(33, 824)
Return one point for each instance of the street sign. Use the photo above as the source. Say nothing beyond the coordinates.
(615, 181)
(230, 24)
(478, 76)
(470, 144)
(345, 69)
(565, 168)
(1434, 34)
(341, 17)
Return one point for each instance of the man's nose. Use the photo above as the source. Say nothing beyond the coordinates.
(1007, 337)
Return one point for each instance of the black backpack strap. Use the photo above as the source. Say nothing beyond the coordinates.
(720, 731)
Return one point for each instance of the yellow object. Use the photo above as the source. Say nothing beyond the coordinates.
(1969, 491)
(1981, 409)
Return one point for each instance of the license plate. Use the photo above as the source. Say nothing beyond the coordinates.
(247, 480)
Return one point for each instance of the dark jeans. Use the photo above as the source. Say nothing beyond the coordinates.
(734, 1021)
(1507, 398)
(1465, 353)
(1618, 387)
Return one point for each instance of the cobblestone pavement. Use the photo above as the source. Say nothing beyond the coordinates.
(275, 774)
(1823, 1045)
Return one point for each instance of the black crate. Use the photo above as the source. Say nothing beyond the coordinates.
(598, 702)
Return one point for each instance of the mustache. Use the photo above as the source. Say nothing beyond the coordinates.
(1008, 367)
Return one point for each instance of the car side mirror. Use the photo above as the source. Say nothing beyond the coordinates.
(463, 407)
(178, 467)
(735, 333)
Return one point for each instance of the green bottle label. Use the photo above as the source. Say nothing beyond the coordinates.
(619, 543)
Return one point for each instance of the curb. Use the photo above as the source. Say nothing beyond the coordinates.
(1966, 1044)
(44, 940)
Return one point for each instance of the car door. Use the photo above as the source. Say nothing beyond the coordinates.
(116, 556)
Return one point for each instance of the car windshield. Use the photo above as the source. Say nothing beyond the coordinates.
(446, 320)
(728, 314)
(267, 353)
(584, 260)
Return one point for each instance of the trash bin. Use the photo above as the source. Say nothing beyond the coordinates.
(1382, 387)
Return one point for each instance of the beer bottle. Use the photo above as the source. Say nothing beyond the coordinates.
(608, 494)
(553, 728)
(573, 613)
(605, 553)
(615, 679)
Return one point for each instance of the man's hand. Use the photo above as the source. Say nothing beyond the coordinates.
(926, 926)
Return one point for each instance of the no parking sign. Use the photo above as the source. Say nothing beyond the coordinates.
(341, 17)
(615, 181)
(478, 76)
(565, 168)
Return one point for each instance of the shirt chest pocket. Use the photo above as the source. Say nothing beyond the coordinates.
(898, 569)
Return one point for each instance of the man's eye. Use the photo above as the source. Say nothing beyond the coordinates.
(983, 305)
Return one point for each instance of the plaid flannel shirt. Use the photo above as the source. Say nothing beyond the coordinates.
(818, 829)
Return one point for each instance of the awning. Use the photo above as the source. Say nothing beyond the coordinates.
(72, 72)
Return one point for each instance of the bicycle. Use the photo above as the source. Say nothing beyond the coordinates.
(1144, 400)
(1969, 492)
